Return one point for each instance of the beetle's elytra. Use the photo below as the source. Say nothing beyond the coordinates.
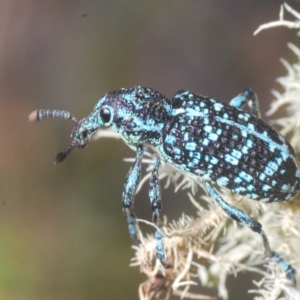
(205, 139)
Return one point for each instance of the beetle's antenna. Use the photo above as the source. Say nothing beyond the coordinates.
(41, 114)
(64, 153)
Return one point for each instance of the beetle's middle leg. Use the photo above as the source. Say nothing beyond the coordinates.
(156, 205)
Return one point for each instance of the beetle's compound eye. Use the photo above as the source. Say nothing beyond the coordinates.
(106, 115)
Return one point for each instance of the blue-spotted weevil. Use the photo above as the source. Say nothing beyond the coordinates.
(203, 138)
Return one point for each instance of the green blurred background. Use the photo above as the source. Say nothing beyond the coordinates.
(62, 233)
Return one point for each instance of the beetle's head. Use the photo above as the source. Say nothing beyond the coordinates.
(138, 114)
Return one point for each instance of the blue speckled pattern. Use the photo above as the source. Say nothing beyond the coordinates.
(203, 138)
(233, 148)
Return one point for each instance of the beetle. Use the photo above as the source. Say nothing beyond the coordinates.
(205, 139)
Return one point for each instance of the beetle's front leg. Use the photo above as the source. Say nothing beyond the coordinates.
(130, 186)
(242, 99)
(156, 205)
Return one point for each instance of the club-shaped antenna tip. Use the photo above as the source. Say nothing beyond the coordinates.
(33, 117)
(64, 153)
(60, 157)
